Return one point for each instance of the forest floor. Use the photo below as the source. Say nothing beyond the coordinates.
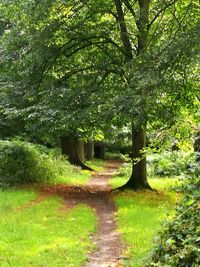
(96, 194)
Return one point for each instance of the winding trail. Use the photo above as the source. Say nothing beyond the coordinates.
(97, 195)
(107, 239)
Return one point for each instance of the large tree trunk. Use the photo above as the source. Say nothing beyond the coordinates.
(138, 179)
(89, 150)
(69, 147)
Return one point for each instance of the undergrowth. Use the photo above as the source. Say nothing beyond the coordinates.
(174, 163)
(115, 156)
(142, 215)
(139, 218)
(23, 162)
(179, 242)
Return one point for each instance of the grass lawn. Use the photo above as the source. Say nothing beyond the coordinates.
(140, 216)
(43, 235)
(96, 164)
(12, 199)
(76, 176)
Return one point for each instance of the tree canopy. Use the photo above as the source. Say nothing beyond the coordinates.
(84, 66)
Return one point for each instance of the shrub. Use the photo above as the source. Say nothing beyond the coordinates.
(170, 163)
(116, 156)
(124, 171)
(22, 162)
(179, 243)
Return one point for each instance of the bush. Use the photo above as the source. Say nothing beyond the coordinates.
(125, 170)
(170, 163)
(22, 162)
(179, 243)
(116, 156)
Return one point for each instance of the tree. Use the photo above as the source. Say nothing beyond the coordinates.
(136, 55)
(144, 45)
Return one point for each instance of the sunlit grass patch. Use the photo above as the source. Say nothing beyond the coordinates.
(164, 183)
(140, 214)
(45, 236)
(121, 176)
(139, 218)
(75, 176)
(96, 164)
(124, 173)
(11, 199)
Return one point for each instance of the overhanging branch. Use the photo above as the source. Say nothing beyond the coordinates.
(130, 8)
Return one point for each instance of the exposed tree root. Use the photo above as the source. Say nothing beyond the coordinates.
(134, 187)
(81, 164)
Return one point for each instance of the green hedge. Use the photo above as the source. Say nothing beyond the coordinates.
(22, 162)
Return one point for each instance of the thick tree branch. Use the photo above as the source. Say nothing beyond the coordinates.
(124, 31)
(142, 26)
(130, 8)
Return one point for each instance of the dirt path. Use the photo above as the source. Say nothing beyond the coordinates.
(96, 194)
(107, 239)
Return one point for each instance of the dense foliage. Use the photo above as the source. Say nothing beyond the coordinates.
(22, 162)
(78, 67)
(170, 163)
(60, 61)
(179, 243)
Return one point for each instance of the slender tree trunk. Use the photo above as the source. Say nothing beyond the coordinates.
(89, 150)
(69, 148)
(197, 146)
(138, 179)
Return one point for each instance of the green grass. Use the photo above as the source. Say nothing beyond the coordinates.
(12, 199)
(124, 174)
(73, 177)
(45, 236)
(96, 164)
(76, 176)
(139, 218)
(140, 215)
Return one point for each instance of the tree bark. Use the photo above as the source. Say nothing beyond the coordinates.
(89, 150)
(80, 149)
(142, 26)
(138, 179)
(197, 146)
(69, 147)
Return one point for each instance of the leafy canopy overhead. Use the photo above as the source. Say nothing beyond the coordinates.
(63, 65)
